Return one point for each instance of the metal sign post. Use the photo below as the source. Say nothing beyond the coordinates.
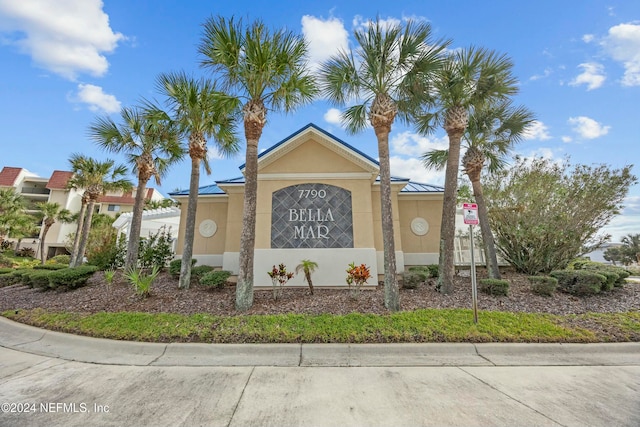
(470, 215)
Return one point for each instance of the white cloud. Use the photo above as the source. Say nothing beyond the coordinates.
(588, 38)
(411, 144)
(588, 128)
(96, 99)
(536, 130)
(546, 73)
(566, 139)
(592, 75)
(325, 38)
(414, 170)
(67, 37)
(623, 45)
(332, 116)
(361, 23)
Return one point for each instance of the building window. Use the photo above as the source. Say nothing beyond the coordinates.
(113, 208)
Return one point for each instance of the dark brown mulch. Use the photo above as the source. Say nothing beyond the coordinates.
(165, 297)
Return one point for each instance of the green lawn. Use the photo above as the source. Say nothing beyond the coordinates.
(432, 325)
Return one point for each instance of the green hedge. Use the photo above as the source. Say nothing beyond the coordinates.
(494, 287)
(411, 279)
(71, 277)
(176, 265)
(430, 270)
(50, 267)
(215, 279)
(580, 282)
(543, 285)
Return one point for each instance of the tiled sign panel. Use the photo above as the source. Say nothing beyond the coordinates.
(311, 216)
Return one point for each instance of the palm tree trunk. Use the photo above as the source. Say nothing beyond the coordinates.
(485, 229)
(45, 230)
(76, 239)
(133, 244)
(307, 275)
(190, 225)
(244, 288)
(446, 267)
(391, 292)
(85, 234)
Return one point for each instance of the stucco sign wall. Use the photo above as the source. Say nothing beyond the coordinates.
(311, 216)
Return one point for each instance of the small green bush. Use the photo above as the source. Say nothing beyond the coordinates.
(495, 287)
(601, 268)
(199, 271)
(579, 282)
(543, 285)
(11, 278)
(215, 279)
(411, 279)
(6, 270)
(72, 278)
(60, 259)
(5, 262)
(176, 265)
(26, 253)
(430, 270)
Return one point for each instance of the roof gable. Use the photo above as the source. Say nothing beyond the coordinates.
(9, 175)
(322, 138)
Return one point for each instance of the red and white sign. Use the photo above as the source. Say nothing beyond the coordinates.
(470, 213)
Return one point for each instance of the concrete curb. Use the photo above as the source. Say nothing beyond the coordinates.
(28, 339)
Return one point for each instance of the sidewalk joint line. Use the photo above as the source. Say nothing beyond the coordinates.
(235, 408)
(511, 397)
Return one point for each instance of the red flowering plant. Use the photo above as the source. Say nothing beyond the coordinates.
(357, 275)
(279, 277)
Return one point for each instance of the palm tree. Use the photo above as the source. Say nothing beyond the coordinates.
(491, 133)
(266, 70)
(96, 178)
(151, 144)
(201, 112)
(469, 79)
(381, 78)
(308, 267)
(14, 221)
(51, 212)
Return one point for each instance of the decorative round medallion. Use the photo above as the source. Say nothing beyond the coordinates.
(208, 228)
(419, 226)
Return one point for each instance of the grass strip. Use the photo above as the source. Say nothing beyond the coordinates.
(430, 325)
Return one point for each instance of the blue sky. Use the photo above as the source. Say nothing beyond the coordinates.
(64, 63)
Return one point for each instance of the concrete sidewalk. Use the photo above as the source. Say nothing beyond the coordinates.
(49, 378)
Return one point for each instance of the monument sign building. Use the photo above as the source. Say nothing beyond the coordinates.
(318, 199)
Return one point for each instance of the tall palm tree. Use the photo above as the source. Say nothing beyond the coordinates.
(151, 143)
(96, 178)
(266, 70)
(491, 133)
(201, 112)
(51, 213)
(469, 79)
(380, 77)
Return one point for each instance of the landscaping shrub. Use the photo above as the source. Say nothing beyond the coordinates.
(26, 253)
(5, 262)
(494, 287)
(215, 279)
(142, 281)
(579, 282)
(11, 278)
(411, 279)
(40, 279)
(155, 250)
(6, 270)
(72, 277)
(430, 270)
(199, 271)
(543, 285)
(602, 268)
(176, 265)
(60, 259)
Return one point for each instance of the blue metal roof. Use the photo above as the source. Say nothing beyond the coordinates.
(311, 125)
(207, 190)
(418, 187)
(213, 189)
